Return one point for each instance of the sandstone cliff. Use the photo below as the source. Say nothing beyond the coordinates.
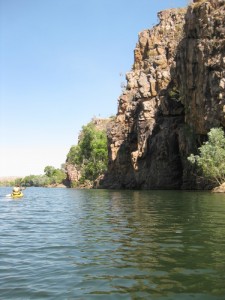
(174, 95)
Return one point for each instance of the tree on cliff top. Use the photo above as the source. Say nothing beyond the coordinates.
(90, 155)
(211, 158)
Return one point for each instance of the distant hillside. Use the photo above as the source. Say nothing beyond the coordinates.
(8, 178)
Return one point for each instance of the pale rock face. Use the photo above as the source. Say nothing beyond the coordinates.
(73, 174)
(144, 85)
(174, 95)
(219, 189)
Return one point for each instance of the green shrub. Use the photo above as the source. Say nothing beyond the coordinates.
(90, 155)
(211, 158)
(55, 176)
(51, 176)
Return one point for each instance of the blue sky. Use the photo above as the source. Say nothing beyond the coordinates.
(60, 65)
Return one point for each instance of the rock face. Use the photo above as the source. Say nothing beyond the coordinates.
(219, 189)
(174, 95)
(200, 66)
(73, 174)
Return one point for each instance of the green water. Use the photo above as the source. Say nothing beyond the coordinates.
(90, 244)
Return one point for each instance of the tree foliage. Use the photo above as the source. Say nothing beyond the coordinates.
(51, 176)
(55, 176)
(35, 180)
(211, 158)
(90, 155)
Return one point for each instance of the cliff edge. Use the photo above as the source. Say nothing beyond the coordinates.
(174, 95)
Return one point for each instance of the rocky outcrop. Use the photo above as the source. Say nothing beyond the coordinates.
(73, 174)
(174, 95)
(219, 189)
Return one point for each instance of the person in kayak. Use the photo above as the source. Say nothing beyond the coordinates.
(16, 192)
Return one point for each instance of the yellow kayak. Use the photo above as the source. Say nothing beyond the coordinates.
(16, 195)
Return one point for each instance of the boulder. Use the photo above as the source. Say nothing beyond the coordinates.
(219, 189)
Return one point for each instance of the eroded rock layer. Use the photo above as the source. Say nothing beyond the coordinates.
(174, 95)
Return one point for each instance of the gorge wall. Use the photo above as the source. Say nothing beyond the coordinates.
(174, 95)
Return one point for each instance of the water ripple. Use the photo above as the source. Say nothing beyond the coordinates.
(88, 244)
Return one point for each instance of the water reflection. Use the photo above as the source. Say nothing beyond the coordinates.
(156, 242)
(74, 244)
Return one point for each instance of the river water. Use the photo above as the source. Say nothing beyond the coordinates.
(103, 244)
